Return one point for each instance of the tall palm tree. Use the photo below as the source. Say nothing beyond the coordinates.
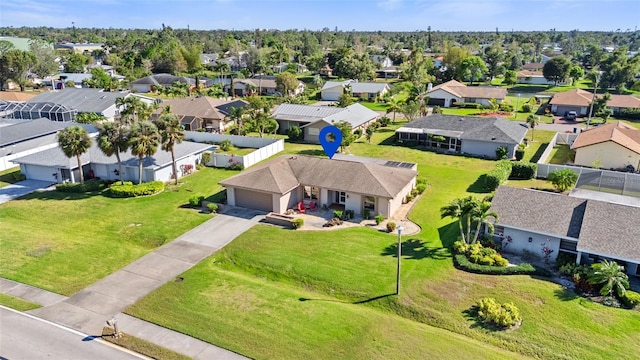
(532, 121)
(143, 140)
(480, 214)
(171, 133)
(393, 105)
(236, 114)
(455, 209)
(611, 275)
(113, 138)
(75, 141)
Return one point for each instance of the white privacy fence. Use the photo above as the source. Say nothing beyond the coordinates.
(265, 148)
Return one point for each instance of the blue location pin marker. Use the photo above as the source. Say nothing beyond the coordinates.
(330, 146)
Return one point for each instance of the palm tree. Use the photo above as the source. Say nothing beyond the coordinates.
(480, 214)
(113, 138)
(171, 133)
(532, 121)
(75, 141)
(611, 275)
(143, 140)
(455, 209)
(393, 105)
(236, 114)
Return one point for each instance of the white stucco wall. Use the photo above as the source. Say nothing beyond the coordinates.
(485, 148)
(395, 203)
(520, 242)
(610, 154)
(231, 196)
(354, 202)
(332, 94)
(441, 94)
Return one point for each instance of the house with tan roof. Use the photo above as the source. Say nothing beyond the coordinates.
(15, 96)
(332, 90)
(259, 84)
(590, 229)
(452, 91)
(201, 112)
(615, 145)
(579, 100)
(358, 184)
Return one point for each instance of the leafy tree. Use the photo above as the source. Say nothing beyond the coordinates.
(75, 63)
(369, 131)
(563, 179)
(556, 69)
(453, 58)
(345, 99)
(532, 121)
(113, 139)
(259, 118)
(347, 134)
(473, 68)
(295, 133)
(618, 69)
(75, 141)
(611, 276)
(15, 65)
(493, 57)
(600, 108)
(417, 68)
(5, 46)
(576, 73)
(89, 118)
(410, 110)
(286, 83)
(171, 133)
(510, 77)
(99, 79)
(45, 58)
(143, 140)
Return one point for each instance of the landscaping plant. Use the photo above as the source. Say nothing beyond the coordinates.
(563, 179)
(501, 315)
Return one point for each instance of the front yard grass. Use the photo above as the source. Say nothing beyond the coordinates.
(63, 242)
(10, 176)
(17, 303)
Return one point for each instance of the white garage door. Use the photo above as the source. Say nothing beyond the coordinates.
(254, 200)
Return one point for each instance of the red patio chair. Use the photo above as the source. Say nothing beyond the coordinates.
(301, 208)
(312, 206)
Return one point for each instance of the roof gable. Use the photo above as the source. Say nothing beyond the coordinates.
(617, 132)
(461, 90)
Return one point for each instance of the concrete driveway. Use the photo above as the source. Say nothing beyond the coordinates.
(22, 188)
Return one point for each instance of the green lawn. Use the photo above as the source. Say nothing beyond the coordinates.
(237, 151)
(541, 138)
(64, 242)
(561, 154)
(10, 176)
(374, 106)
(17, 303)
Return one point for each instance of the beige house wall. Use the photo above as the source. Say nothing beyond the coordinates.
(610, 154)
(396, 202)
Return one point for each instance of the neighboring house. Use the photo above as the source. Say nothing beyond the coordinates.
(332, 90)
(465, 135)
(591, 229)
(15, 96)
(81, 101)
(201, 112)
(208, 59)
(60, 81)
(80, 48)
(325, 70)
(146, 84)
(236, 63)
(381, 61)
(264, 84)
(282, 183)
(448, 93)
(579, 100)
(533, 66)
(311, 119)
(615, 145)
(534, 78)
(283, 66)
(388, 73)
(53, 165)
(19, 138)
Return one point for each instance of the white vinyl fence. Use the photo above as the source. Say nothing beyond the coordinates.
(265, 148)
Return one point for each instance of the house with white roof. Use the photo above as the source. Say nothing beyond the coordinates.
(332, 90)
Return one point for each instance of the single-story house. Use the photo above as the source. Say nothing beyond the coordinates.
(471, 135)
(145, 84)
(282, 183)
(446, 94)
(208, 59)
(533, 66)
(23, 137)
(325, 70)
(82, 101)
(532, 77)
(381, 61)
(388, 72)
(284, 66)
(530, 220)
(201, 112)
(53, 165)
(332, 90)
(579, 100)
(311, 119)
(79, 48)
(60, 81)
(263, 84)
(614, 145)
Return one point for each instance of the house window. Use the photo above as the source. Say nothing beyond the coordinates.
(370, 203)
(311, 193)
(568, 245)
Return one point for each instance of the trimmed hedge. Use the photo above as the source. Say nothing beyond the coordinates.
(498, 175)
(90, 185)
(130, 190)
(461, 262)
(467, 105)
(523, 170)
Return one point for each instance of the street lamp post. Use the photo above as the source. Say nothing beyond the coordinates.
(399, 228)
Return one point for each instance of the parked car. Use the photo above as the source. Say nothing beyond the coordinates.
(570, 115)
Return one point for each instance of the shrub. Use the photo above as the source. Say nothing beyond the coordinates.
(391, 226)
(498, 175)
(349, 214)
(501, 315)
(501, 152)
(206, 158)
(236, 166)
(409, 197)
(337, 214)
(18, 176)
(526, 108)
(436, 110)
(90, 185)
(130, 190)
(297, 223)
(295, 133)
(358, 133)
(503, 106)
(611, 301)
(519, 154)
(225, 145)
(367, 214)
(384, 121)
(196, 200)
(460, 247)
(461, 262)
(421, 181)
(467, 105)
(212, 207)
(500, 261)
(420, 188)
(379, 219)
(563, 179)
(630, 299)
(523, 170)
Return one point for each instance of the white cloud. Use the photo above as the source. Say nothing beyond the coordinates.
(389, 4)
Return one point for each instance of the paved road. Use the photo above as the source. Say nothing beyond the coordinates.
(21, 188)
(25, 337)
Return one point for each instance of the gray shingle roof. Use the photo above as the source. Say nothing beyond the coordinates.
(83, 100)
(28, 129)
(287, 172)
(368, 87)
(472, 128)
(355, 114)
(163, 79)
(539, 211)
(611, 230)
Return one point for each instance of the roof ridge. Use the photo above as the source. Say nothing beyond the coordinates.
(366, 166)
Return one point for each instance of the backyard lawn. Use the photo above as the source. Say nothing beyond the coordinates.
(63, 242)
(561, 154)
(276, 293)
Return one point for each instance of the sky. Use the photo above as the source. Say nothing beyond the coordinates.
(346, 15)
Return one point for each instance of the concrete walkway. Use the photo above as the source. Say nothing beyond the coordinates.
(22, 188)
(29, 293)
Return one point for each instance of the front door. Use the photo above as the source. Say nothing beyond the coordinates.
(341, 197)
(452, 144)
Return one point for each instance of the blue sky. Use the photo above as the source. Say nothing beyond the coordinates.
(394, 15)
